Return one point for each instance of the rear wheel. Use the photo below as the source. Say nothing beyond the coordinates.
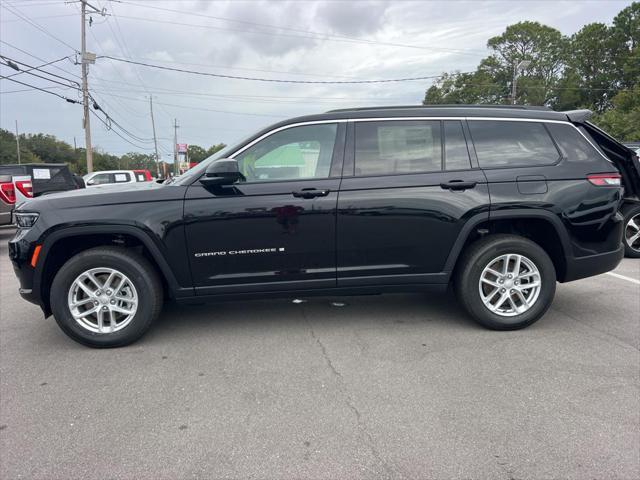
(632, 230)
(506, 282)
(106, 297)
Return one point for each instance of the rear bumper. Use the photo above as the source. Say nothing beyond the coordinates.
(591, 265)
(5, 216)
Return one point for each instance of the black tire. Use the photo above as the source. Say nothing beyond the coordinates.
(478, 256)
(135, 267)
(629, 212)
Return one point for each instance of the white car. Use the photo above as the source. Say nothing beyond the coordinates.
(109, 176)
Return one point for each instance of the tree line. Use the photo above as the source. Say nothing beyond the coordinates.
(597, 68)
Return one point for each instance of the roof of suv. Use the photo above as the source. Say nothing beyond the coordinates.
(497, 111)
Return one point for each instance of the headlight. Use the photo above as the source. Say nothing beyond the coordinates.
(24, 219)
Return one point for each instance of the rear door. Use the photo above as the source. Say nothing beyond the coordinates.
(409, 187)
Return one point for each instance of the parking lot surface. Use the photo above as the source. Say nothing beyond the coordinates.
(393, 386)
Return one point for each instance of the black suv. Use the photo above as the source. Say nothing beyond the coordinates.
(500, 202)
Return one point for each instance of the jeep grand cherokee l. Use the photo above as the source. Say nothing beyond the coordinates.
(500, 202)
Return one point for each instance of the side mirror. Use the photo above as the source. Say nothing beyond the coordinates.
(91, 182)
(222, 172)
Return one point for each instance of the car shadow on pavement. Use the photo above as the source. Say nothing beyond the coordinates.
(340, 312)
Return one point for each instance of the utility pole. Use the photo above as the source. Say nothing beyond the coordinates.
(18, 142)
(175, 145)
(86, 59)
(516, 68)
(155, 140)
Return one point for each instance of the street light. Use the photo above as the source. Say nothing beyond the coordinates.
(516, 68)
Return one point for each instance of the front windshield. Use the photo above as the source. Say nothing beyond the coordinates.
(190, 175)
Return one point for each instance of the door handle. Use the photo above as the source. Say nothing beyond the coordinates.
(310, 193)
(458, 185)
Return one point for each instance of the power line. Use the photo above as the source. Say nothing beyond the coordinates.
(47, 17)
(28, 90)
(308, 33)
(108, 127)
(32, 68)
(272, 80)
(36, 25)
(39, 69)
(38, 58)
(127, 53)
(70, 100)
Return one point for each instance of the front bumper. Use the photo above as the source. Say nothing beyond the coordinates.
(20, 250)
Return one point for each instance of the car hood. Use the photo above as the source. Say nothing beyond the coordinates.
(104, 195)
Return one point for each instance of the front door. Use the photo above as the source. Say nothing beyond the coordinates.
(409, 188)
(276, 229)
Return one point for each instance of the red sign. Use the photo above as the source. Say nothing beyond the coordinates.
(182, 147)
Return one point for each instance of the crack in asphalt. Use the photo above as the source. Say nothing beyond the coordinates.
(370, 443)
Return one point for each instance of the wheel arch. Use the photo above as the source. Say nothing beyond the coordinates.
(540, 226)
(60, 245)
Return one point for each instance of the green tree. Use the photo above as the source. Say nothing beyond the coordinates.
(543, 46)
(48, 148)
(622, 121)
(215, 148)
(592, 56)
(138, 161)
(196, 153)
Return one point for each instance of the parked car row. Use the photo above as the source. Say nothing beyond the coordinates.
(20, 182)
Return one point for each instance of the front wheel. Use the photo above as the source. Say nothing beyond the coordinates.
(506, 282)
(106, 297)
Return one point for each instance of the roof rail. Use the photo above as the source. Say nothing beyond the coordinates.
(453, 105)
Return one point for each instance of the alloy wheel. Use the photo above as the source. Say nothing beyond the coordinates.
(510, 285)
(632, 233)
(103, 300)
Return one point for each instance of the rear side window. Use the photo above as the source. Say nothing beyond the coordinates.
(396, 147)
(122, 177)
(456, 155)
(573, 146)
(512, 144)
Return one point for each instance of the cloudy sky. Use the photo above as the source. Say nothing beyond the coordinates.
(296, 40)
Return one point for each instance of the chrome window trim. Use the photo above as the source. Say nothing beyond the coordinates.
(279, 129)
(387, 119)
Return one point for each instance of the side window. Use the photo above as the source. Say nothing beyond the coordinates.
(101, 179)
(456, 154)
(140, 177)
(290, 154)
(573, 146)
(512, 144)
(122, 177)
(394, 147)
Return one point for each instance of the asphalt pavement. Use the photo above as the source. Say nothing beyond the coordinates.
(393, 386)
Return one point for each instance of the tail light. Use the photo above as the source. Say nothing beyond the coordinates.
(7, 193)
(25, 187)
(605, 179)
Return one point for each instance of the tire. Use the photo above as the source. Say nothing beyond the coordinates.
(631, 215)
(474, 265)
(140, 292)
